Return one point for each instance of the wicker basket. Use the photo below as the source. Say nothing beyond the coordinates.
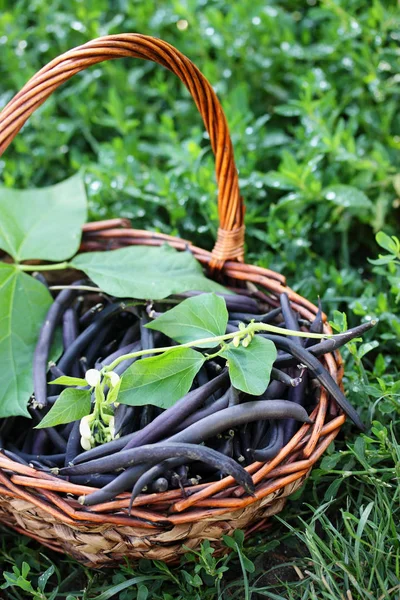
(46, 508)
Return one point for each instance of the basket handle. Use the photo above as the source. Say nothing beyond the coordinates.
(230, 239)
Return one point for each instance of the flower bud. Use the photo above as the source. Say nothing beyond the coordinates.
(84, 426)
(93, 377)
(114, 378)
(85, 443)
(111, 427)
(236, 341)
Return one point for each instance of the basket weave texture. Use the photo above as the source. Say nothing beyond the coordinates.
(161, 525)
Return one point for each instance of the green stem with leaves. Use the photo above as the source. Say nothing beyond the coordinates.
(247, 332)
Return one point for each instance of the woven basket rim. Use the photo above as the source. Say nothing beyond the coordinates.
(311, 440)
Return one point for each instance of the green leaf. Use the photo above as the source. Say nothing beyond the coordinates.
(329, 462)
(24, 303)
(66, 380)
(347, 196)
(250, 368)
(279, 181)
(160, 380)
(202, 316)
(43, 223)
(287, 110)
(44, 577)
(384, 259)
(391, 244)
(127, 583)
(71, 405)
(367, 347)
(333, 489)
(145, 272)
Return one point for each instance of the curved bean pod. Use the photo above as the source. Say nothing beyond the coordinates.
(313, 364)
(99, 481)
(130, 348)
(89, 315)
(276, 389)
(105, 449)
(193, 452)
(198, 432)
(73, 444)
(124, 416)
(88, 335)
(275, 445)
(70, 332)
(131, 334)
(277, 374)
(46, 335)
(296, 395)
(290, 318)
(122, 482)
(164, 423)
(149, 475)
(217, 405)
(56, 438)
(287, 359)
(247, 317)
(93, 349)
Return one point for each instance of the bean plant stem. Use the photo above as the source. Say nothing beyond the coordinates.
(250, 330)
(55, 267)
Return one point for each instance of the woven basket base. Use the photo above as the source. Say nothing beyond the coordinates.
(96, 545)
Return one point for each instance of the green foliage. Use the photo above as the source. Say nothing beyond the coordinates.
(142, 272)
(160, 380)
(250, 368)
(24, 303)
(70, 406)
(136, 272)
(43, 224)
(195, 318)
(311, 95)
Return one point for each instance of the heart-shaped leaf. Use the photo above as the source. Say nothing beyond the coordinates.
(43, 223)
(71, 405)
(202, 316)
(250, 368)
(145, 272)
(24, 303)
(160, 380)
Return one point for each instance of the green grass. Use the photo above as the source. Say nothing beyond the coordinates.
(311, 91)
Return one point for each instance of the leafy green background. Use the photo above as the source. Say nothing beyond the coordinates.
(311, 92)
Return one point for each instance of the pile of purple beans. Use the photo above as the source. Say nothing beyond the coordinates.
(214, 430)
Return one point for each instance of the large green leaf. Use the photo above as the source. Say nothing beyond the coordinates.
(202, 316)
(160, 380)
(145, 272)
(71, 405)
(43, 223)
(24, 303)
(250, 368)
